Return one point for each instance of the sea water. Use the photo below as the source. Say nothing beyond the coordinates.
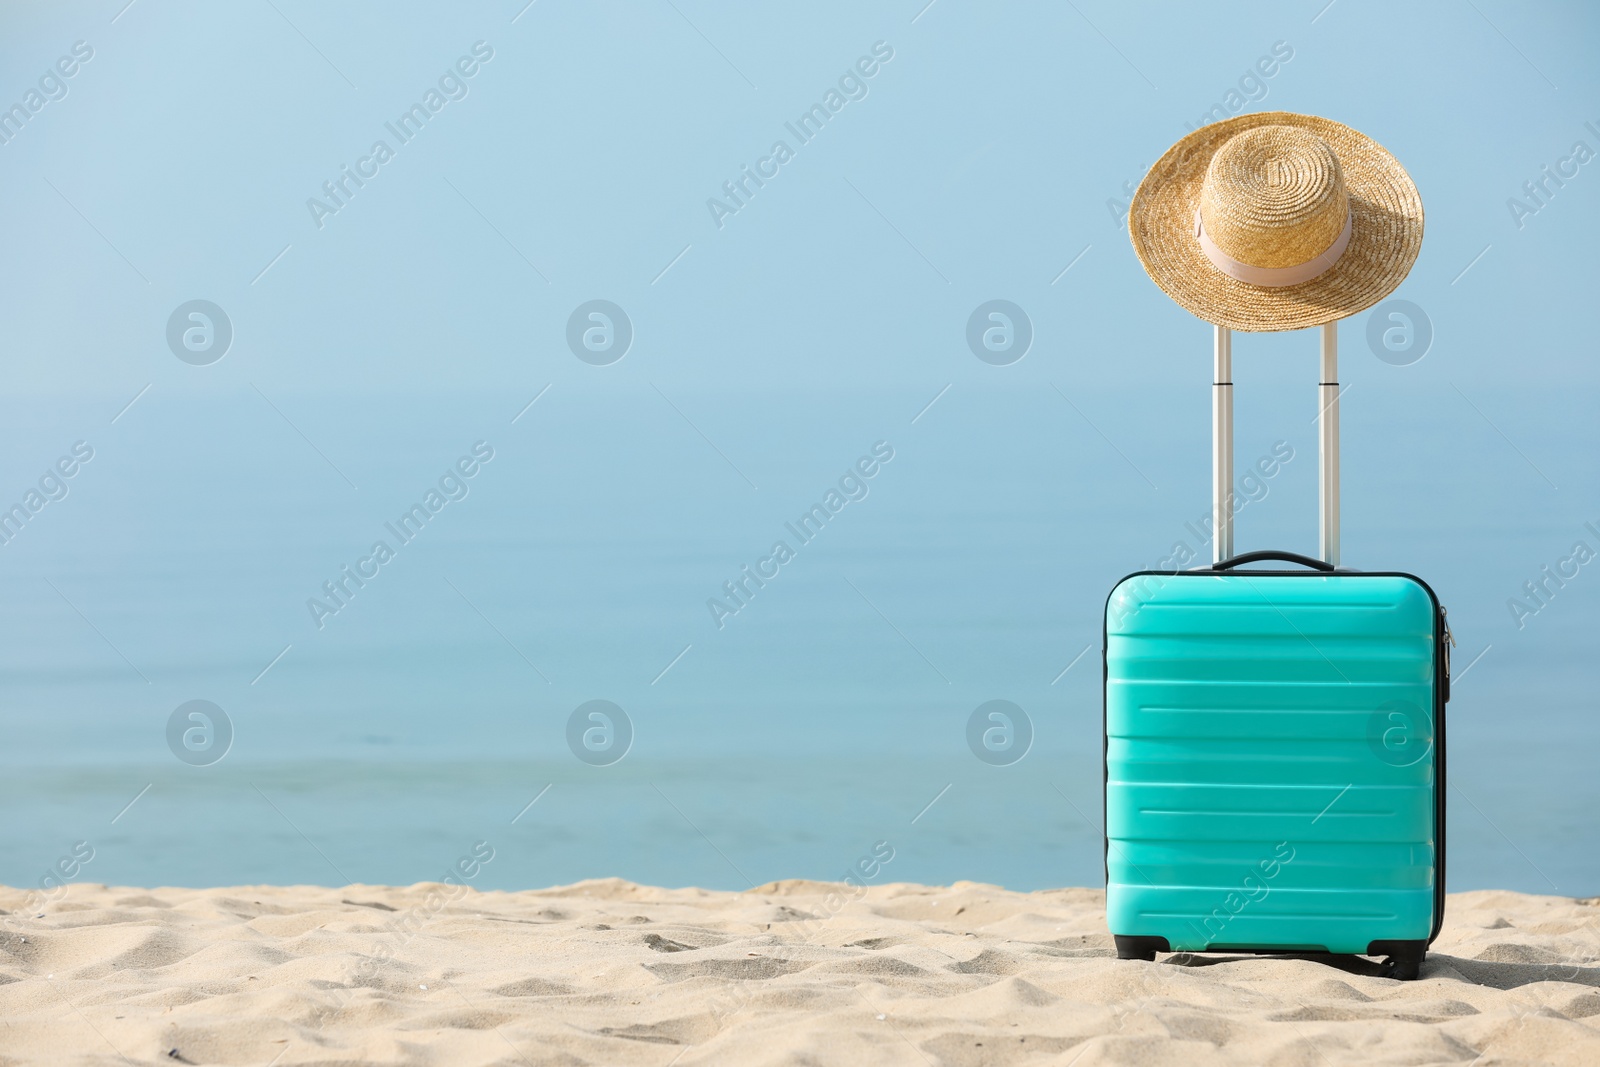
(828, 716)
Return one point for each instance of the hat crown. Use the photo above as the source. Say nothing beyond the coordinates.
(1274, 196)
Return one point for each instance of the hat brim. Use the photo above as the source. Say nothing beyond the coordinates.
(1386, 232)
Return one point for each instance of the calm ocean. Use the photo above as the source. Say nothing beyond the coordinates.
(829, 714)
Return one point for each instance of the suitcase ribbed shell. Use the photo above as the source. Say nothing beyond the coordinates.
(1271, 760)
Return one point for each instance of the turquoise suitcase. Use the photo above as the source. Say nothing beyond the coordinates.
(1274, 747)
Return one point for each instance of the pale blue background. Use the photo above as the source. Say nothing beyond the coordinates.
(818, 320)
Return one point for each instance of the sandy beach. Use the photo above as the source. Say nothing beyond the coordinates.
(608, 972)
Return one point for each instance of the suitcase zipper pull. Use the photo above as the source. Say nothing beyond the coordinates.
(1445, 646)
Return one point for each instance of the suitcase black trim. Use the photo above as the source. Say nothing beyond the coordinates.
(1441, 696)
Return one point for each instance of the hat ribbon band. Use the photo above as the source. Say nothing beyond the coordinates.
(1273, 277)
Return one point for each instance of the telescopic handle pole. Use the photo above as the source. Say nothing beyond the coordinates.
(1328, 445)
(1222, 447)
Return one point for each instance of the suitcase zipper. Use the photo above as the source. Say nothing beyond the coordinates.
(1445, 646)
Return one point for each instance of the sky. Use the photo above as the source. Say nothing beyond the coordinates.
(579, 163)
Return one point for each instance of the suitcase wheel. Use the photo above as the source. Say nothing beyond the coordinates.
(1405, 958)
(1402, 970)
(1140, 947)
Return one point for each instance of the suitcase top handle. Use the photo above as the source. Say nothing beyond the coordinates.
(1222, 447)
(1287, 557)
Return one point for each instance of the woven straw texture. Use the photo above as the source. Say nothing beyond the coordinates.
(1272, 190)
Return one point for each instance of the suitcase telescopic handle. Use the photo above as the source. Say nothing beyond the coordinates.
(1286, 557)
(1222, 446)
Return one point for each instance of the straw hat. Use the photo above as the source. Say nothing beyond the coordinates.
(1276, 221)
